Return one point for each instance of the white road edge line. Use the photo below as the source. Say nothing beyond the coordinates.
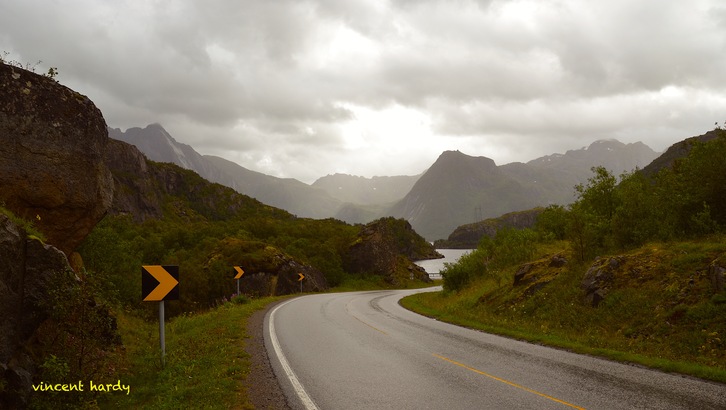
(299, 389)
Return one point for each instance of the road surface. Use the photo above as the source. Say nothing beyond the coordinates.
(362, 350)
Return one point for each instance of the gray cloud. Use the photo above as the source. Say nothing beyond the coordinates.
(279, 86)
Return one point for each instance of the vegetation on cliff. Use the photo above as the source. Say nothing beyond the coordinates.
(468, 236)
(206, 229)
(654, 295)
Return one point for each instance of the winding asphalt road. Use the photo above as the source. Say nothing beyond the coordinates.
(362, 350)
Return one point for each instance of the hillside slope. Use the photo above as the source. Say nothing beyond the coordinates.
(285, 193)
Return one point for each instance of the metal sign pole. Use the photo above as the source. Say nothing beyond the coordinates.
(160, 283)
(237, 286)
(162, 341)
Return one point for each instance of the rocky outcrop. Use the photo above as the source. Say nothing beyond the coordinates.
(52, 143)
(387, 247)
(539, 273)
(468, 236)
(29, 272)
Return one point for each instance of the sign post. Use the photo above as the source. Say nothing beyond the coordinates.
(162, 338)
(160, 283)
(300, 279)
(240, 272)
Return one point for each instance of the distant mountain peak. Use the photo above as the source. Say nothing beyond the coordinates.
(453, 157)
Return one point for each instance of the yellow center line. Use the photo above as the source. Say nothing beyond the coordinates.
(347, 306)
(370, 325)
(507, 382)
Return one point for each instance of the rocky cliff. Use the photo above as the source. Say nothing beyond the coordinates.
(52, 143)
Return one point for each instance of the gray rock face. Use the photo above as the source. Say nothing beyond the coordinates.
(26, 274)
(52, 142)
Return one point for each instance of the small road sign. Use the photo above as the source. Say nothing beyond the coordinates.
(240, 272)
(300, 279)
(159, 283)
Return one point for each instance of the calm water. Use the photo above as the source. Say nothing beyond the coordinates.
(434, 266)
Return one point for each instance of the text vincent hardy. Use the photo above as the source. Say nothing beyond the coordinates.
(93, 386)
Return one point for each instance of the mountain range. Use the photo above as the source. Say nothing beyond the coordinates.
(456, 189)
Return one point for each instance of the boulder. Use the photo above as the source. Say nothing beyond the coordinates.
(535, 271)
(598, 279)
(717, 275)
(52, 143)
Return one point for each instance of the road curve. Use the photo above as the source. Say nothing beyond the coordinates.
(362, 350)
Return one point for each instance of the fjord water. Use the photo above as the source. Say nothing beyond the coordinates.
(434, 266)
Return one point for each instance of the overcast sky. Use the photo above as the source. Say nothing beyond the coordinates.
(307, 88)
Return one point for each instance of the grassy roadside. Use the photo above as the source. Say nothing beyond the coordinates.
(660, 311)
(206, 363)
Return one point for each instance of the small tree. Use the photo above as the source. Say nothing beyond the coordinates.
(591, 215)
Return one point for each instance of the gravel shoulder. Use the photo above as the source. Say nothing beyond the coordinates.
(264, 391)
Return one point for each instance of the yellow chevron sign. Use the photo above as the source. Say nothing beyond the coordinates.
(300, 277)
(240, 272)
(159, 283)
